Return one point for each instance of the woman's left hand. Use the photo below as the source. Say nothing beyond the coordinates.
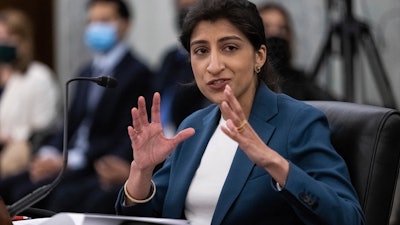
(238, 128)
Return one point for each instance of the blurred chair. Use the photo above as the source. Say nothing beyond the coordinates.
(368, 138)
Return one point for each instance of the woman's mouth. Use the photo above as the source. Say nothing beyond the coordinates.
(218, 84)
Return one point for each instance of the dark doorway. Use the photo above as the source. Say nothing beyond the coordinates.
(41, 14)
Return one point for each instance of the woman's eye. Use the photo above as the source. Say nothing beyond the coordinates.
(230, 48)
(200, 51)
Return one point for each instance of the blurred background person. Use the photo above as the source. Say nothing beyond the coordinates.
(280, 35)
(175, 80)
(99, 156)
(30, 97)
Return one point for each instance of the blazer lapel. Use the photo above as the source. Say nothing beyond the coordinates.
(188, 162)
(264, 108)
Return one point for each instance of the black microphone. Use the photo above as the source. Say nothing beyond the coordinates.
(105, 81)
(41, 192)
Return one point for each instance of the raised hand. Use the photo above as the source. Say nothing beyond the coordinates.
(249, 141)
(149, 144)
(238, 128)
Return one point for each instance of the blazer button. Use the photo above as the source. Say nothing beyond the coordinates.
(308, 200)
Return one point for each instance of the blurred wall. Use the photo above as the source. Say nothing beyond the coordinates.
(153, 31)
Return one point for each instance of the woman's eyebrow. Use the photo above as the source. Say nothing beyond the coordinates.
(223, 39)
(227, 38)
(196, 42)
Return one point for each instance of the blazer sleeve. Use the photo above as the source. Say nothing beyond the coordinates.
(318, 181)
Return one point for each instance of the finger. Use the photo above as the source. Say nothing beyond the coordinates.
(183, 135)
(233, 122)
(230, 125)
(234, 103)
(143, 118)
(228, 131)
(155, 108)
(228, 111)
(131, 133)
(229, 128)
(135, 119)
(232, 131)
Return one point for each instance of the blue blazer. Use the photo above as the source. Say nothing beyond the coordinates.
(318, 188)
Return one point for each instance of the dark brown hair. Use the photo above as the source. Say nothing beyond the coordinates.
(122, 7)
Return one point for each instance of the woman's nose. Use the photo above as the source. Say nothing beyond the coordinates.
(215, 64)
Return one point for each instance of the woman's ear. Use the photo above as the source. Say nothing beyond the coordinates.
(261, 55)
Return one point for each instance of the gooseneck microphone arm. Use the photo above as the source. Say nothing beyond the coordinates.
(105, 81)
(40, 193)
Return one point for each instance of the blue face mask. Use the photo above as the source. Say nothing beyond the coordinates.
(100, 37)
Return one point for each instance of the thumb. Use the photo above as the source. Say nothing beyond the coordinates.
(183, 135)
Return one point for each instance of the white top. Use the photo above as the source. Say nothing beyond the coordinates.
(28, 103)
(209, 179)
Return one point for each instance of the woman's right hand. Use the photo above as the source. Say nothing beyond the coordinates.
(149, 144)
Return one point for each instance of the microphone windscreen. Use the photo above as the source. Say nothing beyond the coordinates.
(106, 81)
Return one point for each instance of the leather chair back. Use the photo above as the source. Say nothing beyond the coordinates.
(368, 138)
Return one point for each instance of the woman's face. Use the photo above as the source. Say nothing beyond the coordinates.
(221, 54)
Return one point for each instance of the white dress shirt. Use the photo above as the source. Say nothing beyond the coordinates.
(210, 177)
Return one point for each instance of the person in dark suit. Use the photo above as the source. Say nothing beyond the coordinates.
(254, 157)
(99, 154)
